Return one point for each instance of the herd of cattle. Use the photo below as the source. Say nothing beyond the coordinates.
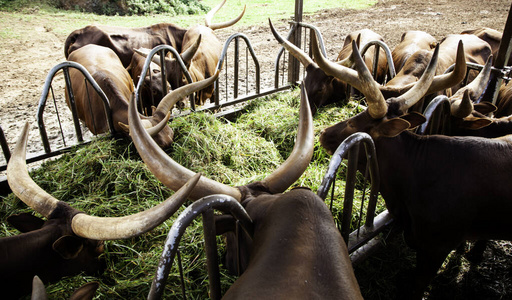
(441, 189)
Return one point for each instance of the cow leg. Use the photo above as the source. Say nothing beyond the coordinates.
(427, 265)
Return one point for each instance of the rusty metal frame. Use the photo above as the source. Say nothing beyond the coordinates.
(205, 207)
(366, 234)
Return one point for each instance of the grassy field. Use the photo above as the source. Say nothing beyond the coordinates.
(258, 11)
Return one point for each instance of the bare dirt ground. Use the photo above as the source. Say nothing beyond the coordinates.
(26, 61)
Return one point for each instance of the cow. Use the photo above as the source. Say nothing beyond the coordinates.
(201, 50)
(296, 252)
(322, 88)
(492, 37)
(442, 190)
(411, 42)
(451, 52)
(152, 88)
(106, 69)
(363, 37)
(504, 101)
(123, 40)
(69, 241)
(85, 292)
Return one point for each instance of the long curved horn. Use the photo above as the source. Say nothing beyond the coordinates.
(189, 53)
(114, 228)
(22, 185)
(299, 159)
(97, 228)
(421, 87)
(462, 100)
(304, 59)
(211, 13)
(176, 95)
(442, 82)
(168, 171)
(173, 175)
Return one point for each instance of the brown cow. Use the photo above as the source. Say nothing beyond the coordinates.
(450, 52)
(297, 252)
(106, 69)
(322, 89)
(70, 241)
(411, 42)
(492, 37)
(124, 40)
(363, 37)
(201, 50)
(442, 190)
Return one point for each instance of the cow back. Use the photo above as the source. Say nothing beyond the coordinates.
(297, 251)
(108, 71)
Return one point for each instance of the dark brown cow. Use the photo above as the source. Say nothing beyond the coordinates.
(411, 42)
(107, 70)
(124, 40)
(324, 89)
(297, 252)
(70, 241)
(442, 190)
(201, 50)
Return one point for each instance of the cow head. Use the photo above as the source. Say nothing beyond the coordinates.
(152, 88)
(69, 241)
(322, 89)
(88, 35)
(383, 118)
(173, 68)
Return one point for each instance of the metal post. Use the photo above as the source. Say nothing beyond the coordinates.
(294, 65)
(501, 61)
(211, 254)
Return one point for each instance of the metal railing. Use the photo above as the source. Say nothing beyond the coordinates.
(205, 207)
(366, 234)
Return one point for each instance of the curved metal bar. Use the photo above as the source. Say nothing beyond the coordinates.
(350, 146)
(222, 57)
(44, 96)
(389, 58)
(145, 68)
(318, 34)
(440, 102)
(282, 50)
(223, 203)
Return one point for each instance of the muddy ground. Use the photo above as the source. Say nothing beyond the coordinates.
(26, 61)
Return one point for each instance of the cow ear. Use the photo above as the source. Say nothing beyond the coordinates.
(415, 118)
(85, 292)
(25, 222)
(484, 107)
(475, 123)
(68, 246)
(392, 127)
